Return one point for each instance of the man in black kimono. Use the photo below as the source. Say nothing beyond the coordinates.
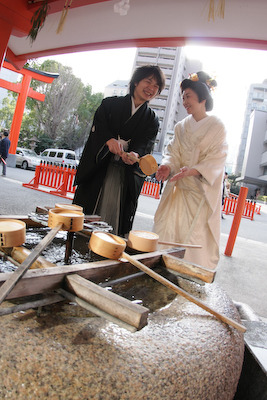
(108, 181)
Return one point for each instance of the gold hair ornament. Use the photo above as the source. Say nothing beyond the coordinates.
(194, 77)
(209, 83)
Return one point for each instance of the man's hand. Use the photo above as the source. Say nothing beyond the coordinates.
(127, 159)
(114, 146)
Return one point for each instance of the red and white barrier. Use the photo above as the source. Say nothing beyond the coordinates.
(151, 188)
(230, 204)
(49, 176)
(60, 180)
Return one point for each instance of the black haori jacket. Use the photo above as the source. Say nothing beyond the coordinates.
(112, 120)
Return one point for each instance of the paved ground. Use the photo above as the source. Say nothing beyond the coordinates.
(243, 275)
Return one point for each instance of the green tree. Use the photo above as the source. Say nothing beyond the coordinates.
(61, 99)
(76, 128)
(64, 119)
(85, 114)
(235, 186)
(7, 111)
(66, 115)
(69, 127)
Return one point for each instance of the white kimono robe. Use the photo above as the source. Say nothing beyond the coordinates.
(190, 209)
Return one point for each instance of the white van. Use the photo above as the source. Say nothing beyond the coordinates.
(60, 156)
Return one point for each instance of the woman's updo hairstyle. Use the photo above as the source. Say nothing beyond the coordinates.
(201, 83)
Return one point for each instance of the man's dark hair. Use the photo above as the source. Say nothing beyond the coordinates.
(145, 72)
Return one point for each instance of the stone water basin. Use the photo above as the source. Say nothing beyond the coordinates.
(65, 352)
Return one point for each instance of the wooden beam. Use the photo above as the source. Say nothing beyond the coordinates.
(17, 14)
(16, 276)
(51, 299)
(42, 76)
(188, 270)
(109, 302)
(5, 32)
(95, 310)
(45, 280)
(13, 60)
(16, 87)
(18, 254)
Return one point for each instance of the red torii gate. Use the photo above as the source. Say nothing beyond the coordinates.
(24, 90)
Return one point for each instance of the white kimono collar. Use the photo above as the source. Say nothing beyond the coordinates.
(134, 109)
(194, 125)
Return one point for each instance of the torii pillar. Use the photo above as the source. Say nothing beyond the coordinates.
(24, 90)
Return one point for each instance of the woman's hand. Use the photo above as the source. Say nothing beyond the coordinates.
(129, 158)
(185, 171)
(163, 173)
(114, 146)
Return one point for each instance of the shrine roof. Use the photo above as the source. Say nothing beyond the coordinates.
(104, 24)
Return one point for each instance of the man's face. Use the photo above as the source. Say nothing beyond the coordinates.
(146, 90)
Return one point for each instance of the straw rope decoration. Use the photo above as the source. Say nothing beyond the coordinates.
(64, 15)
(219, 11)
(38, 20)
(39, 17)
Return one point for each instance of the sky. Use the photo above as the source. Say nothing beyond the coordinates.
(99, 68)
(234, 69)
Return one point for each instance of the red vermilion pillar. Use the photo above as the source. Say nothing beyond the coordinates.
(236, 220)
(24, 90)
(18, 114)
(5, 31)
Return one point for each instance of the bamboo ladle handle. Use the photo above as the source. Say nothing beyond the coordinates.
(112, 246)
(147, 163)
(197, 246)
(182, 292)
(133, 158)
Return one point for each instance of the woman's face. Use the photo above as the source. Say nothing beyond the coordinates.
(145, 90)
(191, 102)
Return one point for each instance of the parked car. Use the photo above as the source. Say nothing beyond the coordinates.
(60, 156)
(26, 158)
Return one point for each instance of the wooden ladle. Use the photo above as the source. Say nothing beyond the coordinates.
(12, 232)
(147, 163)
(58, 219)
(146, 241)
(73, 207)
(112, 246)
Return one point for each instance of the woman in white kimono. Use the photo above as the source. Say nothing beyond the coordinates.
(190, 207)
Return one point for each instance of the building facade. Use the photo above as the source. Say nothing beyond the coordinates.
(254, 169)
(168, 105)
(116, 88)
(257, 100)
